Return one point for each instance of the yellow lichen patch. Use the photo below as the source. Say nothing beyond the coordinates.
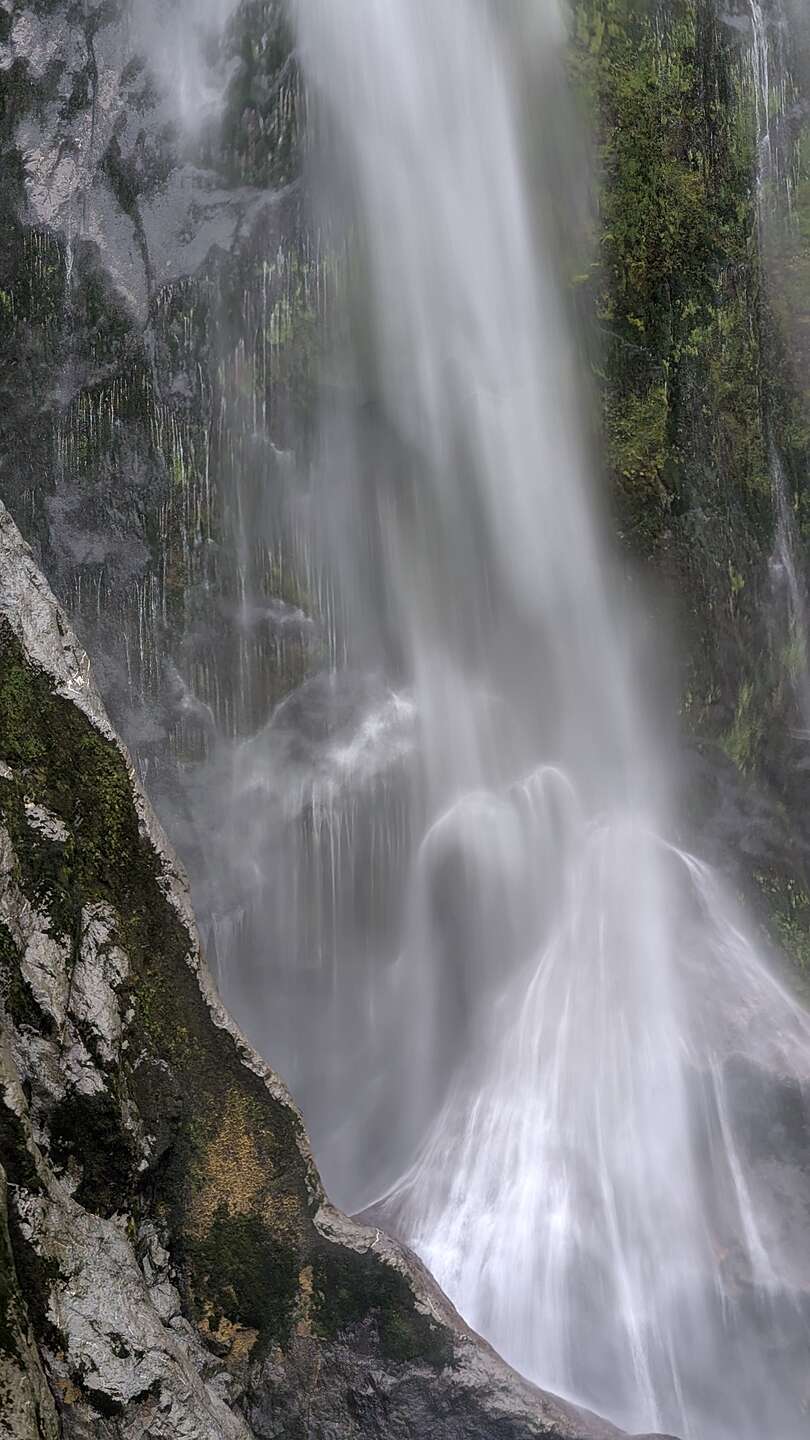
(303, 1306)
(231, 1173)
(243, 1342)
(239, 1340)
(69, 1394)
(236, 1175)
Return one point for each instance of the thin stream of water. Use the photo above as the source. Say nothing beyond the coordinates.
(772, 93)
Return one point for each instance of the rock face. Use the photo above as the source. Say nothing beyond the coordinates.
(156, 311)
(169, 1264)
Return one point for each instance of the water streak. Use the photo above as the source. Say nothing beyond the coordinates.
(774, 96)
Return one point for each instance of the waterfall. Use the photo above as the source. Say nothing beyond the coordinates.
(560, 1052)
(528, 1031)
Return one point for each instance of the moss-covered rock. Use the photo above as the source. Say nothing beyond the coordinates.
(694, 299)
(675, 290)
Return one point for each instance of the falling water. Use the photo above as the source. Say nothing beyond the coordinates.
(562, 1054)
(790, 590)
(524, 1026)
(773, 96)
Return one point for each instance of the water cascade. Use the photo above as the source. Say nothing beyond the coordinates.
(527, 1030)
(774, 99)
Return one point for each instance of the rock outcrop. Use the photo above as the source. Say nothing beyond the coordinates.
(169, 1263)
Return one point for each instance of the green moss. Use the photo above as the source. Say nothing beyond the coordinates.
(46, 870)
(676, 211)
(18, 737)
(636, 432)
(78, 775)
(787, 916)
(793, 934)
(741, 742)
(243, 1272)
(694, 373)
(350, 1287)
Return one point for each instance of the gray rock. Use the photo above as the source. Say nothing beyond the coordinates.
(43, 821)
(98, 974)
